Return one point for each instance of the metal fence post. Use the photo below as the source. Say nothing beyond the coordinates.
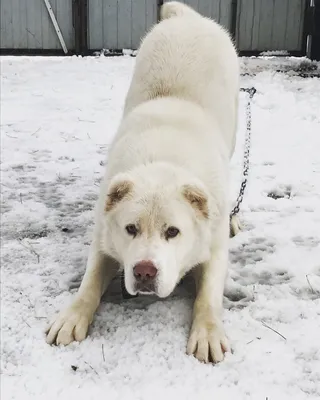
(315, 45)
(159, 4)
(233, 19)
(80, 25)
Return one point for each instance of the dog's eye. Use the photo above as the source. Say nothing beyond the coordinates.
(172, 232)
(132, 229)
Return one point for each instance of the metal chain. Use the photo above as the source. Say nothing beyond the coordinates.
(246, 158)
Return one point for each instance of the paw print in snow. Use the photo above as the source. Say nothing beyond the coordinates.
(252, 252)
(281, 192)
(309, 241)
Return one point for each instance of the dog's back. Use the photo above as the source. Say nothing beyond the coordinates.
(189, 57)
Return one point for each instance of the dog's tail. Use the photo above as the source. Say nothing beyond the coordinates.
(176, 9)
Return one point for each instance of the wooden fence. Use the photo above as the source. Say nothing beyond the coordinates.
(90, 25)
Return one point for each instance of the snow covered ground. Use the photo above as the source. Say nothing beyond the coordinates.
(57, 118)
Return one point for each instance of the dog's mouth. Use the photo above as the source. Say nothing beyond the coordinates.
(145, 288)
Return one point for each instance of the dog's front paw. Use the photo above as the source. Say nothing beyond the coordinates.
(207, 341)
(70, 325)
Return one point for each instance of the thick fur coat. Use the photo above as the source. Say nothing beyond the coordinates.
(163, 208)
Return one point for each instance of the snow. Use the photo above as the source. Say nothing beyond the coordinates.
(57, 117)
(274, 53)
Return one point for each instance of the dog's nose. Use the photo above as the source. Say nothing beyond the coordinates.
(144, 271)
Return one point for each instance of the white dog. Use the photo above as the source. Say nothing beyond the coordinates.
(163, 209)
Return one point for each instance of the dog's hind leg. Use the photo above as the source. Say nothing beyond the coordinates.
(73, 322)
(235, 226)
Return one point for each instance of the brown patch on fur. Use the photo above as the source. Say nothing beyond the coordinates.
(197, 199)
(117, 193)
(160, 91)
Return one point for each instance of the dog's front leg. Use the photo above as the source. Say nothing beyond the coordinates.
(207, 340)
(73, 322)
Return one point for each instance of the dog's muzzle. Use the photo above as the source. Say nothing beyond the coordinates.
(145, 274)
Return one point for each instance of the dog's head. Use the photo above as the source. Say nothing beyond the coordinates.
(158, 225)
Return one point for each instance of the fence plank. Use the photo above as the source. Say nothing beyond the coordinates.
(225, 13)
(110, 25)
(50, 39)
(265, 24)
(192, 3)
(151, 13)
(270, 25)
(45, 26)
(255, 26)
(279, 24)
(215, 11)
(6, 25)
(15, 17)
(23, 37)
(33, 30)
(124, 24)
(204, 7)
(63, 13)
(245, 25)
(294, 29)
(96, 25)
(138, 21)
(116, 24)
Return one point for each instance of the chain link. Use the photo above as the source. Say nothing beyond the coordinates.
(246, 158)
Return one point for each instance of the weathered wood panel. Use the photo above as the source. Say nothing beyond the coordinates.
(151, 13)
(26, 24)
(97, 14)
(6, 24)
(34, 25)
(63, 13)
(270, 25)
(125, 23)
(219, 10)
(109, 24)
(139, 22)
(119, 24)
(294, 24)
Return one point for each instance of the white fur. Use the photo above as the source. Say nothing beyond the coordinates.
(178, 130)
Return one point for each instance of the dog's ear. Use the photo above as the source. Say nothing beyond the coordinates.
(197, 198)
(118, 191)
